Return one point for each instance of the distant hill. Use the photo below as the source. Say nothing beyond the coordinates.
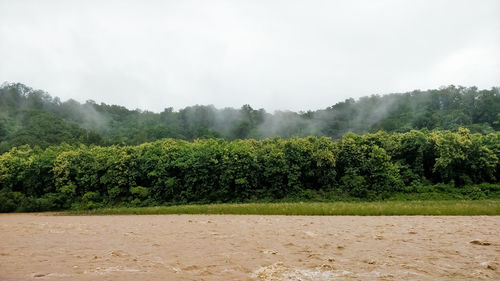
(29, 116)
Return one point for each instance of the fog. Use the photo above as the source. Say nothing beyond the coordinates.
(276, 55)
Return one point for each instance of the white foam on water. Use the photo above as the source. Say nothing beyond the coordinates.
(279, 271)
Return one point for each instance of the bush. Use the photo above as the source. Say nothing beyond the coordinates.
(139, 192)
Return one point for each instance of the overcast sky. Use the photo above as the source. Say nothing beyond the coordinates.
(296, 55)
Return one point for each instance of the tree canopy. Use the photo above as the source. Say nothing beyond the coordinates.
(373, 166)
(33, 117)
(422, 144)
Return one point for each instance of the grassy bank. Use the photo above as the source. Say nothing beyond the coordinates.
(386, 208)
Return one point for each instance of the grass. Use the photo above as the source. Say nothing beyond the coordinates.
(385, 208)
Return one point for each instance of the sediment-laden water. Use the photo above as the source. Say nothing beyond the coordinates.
(229, 247)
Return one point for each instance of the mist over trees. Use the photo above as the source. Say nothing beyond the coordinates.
(33, 117)
(433, 144)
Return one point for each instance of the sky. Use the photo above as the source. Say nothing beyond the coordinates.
(271, 54)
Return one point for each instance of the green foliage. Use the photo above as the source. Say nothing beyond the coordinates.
(33, 117)
(61, 154)
(365, 169)
(415, 165)
(140, 192)
(462, 157)
(9, 201)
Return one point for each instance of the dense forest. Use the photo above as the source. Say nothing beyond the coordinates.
(33, 117)
(380, 166)
(435, 144)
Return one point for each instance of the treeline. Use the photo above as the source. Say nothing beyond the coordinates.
(33, 117)
(374, 166)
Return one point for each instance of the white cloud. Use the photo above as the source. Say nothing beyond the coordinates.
(469, 66)
(294, 55)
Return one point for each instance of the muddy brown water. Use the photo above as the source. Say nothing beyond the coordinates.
(228, 247)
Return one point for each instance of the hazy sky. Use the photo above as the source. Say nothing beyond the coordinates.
(295, 55)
